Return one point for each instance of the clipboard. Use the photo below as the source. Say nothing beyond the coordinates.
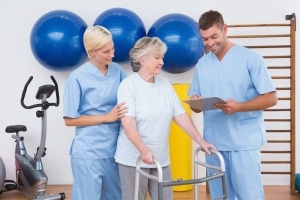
(204, 103)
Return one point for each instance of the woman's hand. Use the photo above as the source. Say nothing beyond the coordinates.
(147, 156)
(117, 112)
(205, 146)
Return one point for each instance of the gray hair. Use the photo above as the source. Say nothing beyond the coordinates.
(145, 46)
(95, 37)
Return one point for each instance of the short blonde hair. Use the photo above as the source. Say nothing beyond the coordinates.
(95, 37)
(145, 46)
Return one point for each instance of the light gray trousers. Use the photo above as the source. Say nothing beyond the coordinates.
(127, 178)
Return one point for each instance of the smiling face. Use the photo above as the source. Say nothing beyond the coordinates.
(214, 38)
(104, 55)
(146, 57)
(213, 31)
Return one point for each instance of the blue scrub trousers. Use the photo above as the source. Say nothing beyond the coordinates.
(243, 175)
(95, 179)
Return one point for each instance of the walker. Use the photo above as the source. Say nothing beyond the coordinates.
(220, 173)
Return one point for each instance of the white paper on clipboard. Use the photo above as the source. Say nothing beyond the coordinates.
(204, 103)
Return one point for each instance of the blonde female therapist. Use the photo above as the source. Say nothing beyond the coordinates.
(90, 105)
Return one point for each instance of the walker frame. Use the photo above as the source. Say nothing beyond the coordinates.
(220, 173)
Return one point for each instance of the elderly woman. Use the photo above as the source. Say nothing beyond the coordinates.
(152, 105)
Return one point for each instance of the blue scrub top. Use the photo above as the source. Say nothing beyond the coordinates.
(89, 92)
(241, 75)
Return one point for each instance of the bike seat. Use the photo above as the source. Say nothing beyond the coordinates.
(15, 128)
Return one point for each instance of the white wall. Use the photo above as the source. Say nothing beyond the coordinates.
(17, 63)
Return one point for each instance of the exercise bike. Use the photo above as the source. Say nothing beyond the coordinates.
(31, 179)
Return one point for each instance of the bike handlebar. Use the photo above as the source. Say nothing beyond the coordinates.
(40, 104)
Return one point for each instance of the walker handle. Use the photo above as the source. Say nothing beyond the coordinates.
(197, 162)
(213, 151)
(158, 178)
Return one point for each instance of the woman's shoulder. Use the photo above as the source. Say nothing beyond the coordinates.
(162, 80)
(116, 68)
(80, 70)
(129, 79)
(115, 65)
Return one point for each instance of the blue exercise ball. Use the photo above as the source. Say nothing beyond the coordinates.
(2, 174)
(56, 40)
(126, 28)
(297, 182)
(182, 36)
